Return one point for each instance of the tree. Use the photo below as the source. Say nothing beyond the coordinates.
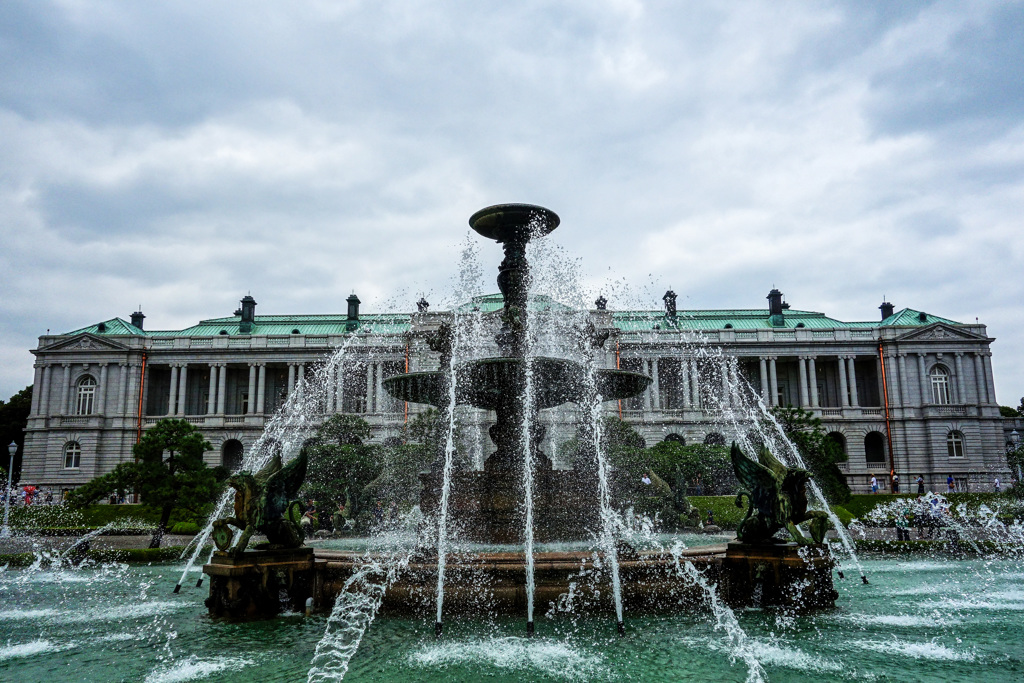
(700, 465)
(13, 419)
(820, 453)
(1007, 411)
(168, 472)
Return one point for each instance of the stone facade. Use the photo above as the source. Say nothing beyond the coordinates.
(99, 387)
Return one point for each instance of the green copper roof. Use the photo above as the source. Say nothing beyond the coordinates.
(627, 321)
(909, 316)
(112, 327)
(489, 303)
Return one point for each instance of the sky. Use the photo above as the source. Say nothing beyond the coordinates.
(178, 155)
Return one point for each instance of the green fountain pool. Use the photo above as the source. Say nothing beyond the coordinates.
(918, 620)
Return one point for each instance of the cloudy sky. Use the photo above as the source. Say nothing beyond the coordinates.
(180, 154)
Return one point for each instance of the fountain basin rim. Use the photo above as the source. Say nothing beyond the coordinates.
(507, 222)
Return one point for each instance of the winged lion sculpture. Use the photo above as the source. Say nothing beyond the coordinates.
(777, 498)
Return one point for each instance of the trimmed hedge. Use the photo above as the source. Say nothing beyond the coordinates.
(728, 516)
(927, 546)
(92, 516)
(127, 555)
(861, 505)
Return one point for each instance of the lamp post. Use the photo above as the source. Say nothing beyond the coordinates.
(1012, 446)
(5, 531)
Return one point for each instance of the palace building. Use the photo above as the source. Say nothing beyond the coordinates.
(910, 391)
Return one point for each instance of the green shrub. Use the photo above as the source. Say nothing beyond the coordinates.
(186, 528)
(844, 515)
(727, 515)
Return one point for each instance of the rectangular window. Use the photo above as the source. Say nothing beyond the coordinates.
(72, 456)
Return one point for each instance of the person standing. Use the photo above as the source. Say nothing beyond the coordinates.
(920, 485)
(950, 484)
(874, 484)
(895, 483)
(997, 489)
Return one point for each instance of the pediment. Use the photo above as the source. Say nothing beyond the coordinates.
(940, 332)
(85, 342)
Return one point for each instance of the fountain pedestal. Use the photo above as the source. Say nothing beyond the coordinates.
(259, 583)
(778, 575)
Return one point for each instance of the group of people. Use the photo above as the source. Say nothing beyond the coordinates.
(27, 495)
(950, 484)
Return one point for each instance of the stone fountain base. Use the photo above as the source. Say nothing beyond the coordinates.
(781, 575)
(259, 583)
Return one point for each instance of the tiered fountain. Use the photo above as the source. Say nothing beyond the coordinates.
(519, 498)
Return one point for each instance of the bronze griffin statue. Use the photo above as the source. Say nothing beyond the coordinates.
(777, 498)
(266, 503)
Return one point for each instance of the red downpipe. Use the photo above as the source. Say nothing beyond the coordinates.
(885, 398)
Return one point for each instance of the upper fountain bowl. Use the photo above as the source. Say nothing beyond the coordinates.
(509, 222)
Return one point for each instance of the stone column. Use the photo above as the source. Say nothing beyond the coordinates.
(124, 373)
(183, 389)
(904, 384)
(961, 394)
(655, 385)
(379, 397)
(101, 391)
(261, 389)
(694, 384)
(812, 380)
(726, 393)
(44, 392)
(923, 376)
(773, 379)
(979, 379)
(370, 367)
(211, 397)
(222, 388)
(67, 388)
(301, 374)
(37, 388)
(251, 409)
(329, 389)
(764, 378)
(844, 393)
(291, 378)
(990, 385)
(684, 377)
(172, 400)
(804, 398)
(340, 389)
(854, 399)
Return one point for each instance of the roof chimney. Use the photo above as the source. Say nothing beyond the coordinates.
(775, 308)
(248, 313)
(887, 309)
(353, 306)
(670, 303)
(137, 318)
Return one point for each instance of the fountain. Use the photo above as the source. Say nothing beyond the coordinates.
(519, 498)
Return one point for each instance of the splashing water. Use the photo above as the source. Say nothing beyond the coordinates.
(354, 610)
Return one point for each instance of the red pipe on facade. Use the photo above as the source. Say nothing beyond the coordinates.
(142, 386)
(885, 398)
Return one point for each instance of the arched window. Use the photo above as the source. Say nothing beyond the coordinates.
(940, 385)
(86, 396)
(874, 448)
(838, 439)
(72, 455)
(714, 439)
(231, 455)
(955, 444)
(677, 438)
